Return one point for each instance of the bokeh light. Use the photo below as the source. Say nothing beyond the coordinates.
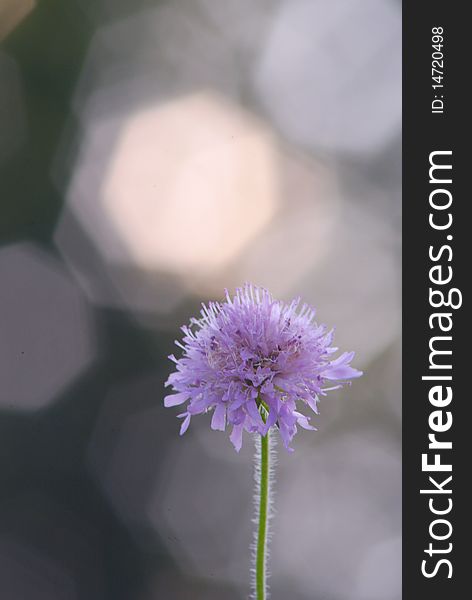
(187, 186)
(345, 57)
(338, 487)
(125, 450)
(221, 495)
(182, 182)
(39, 302)
(156, 153)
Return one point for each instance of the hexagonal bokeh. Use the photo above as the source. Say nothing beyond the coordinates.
(333, 501)
(205, 492)
(178, 187)
(47, 328)
(174, 194)
(205, 144)
(358, 283)
(345, 57)
(338, 484)
(182, 191)
(181, 180)
(196, 190)
(127, 446)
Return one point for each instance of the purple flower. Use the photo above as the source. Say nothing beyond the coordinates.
(253, 362)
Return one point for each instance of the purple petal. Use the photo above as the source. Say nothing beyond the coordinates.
(245, 353)
(236, 437)
(252, 344)
(185, 423)
(312, 403)
(343, 359)
(175, 399)
(218, 421)
(341, 372)
(255, 415)
(303, 421)
(271, 419)
(284, 434)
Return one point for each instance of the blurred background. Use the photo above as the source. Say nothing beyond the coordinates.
(153, 153)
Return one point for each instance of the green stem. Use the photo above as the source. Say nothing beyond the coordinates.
(261, 551)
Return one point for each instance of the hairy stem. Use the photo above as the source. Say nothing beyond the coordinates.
(263, 510)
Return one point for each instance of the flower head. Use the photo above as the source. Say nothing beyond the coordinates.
(255, 362)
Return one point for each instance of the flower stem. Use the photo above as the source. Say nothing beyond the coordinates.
(264, 490)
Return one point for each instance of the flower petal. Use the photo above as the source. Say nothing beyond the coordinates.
(236, 437)
(341, 372)
(185, 423)
(255, 415)
(218, 421)
(175, 399)
(303, 421)
(251, 347)
(312, 403)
